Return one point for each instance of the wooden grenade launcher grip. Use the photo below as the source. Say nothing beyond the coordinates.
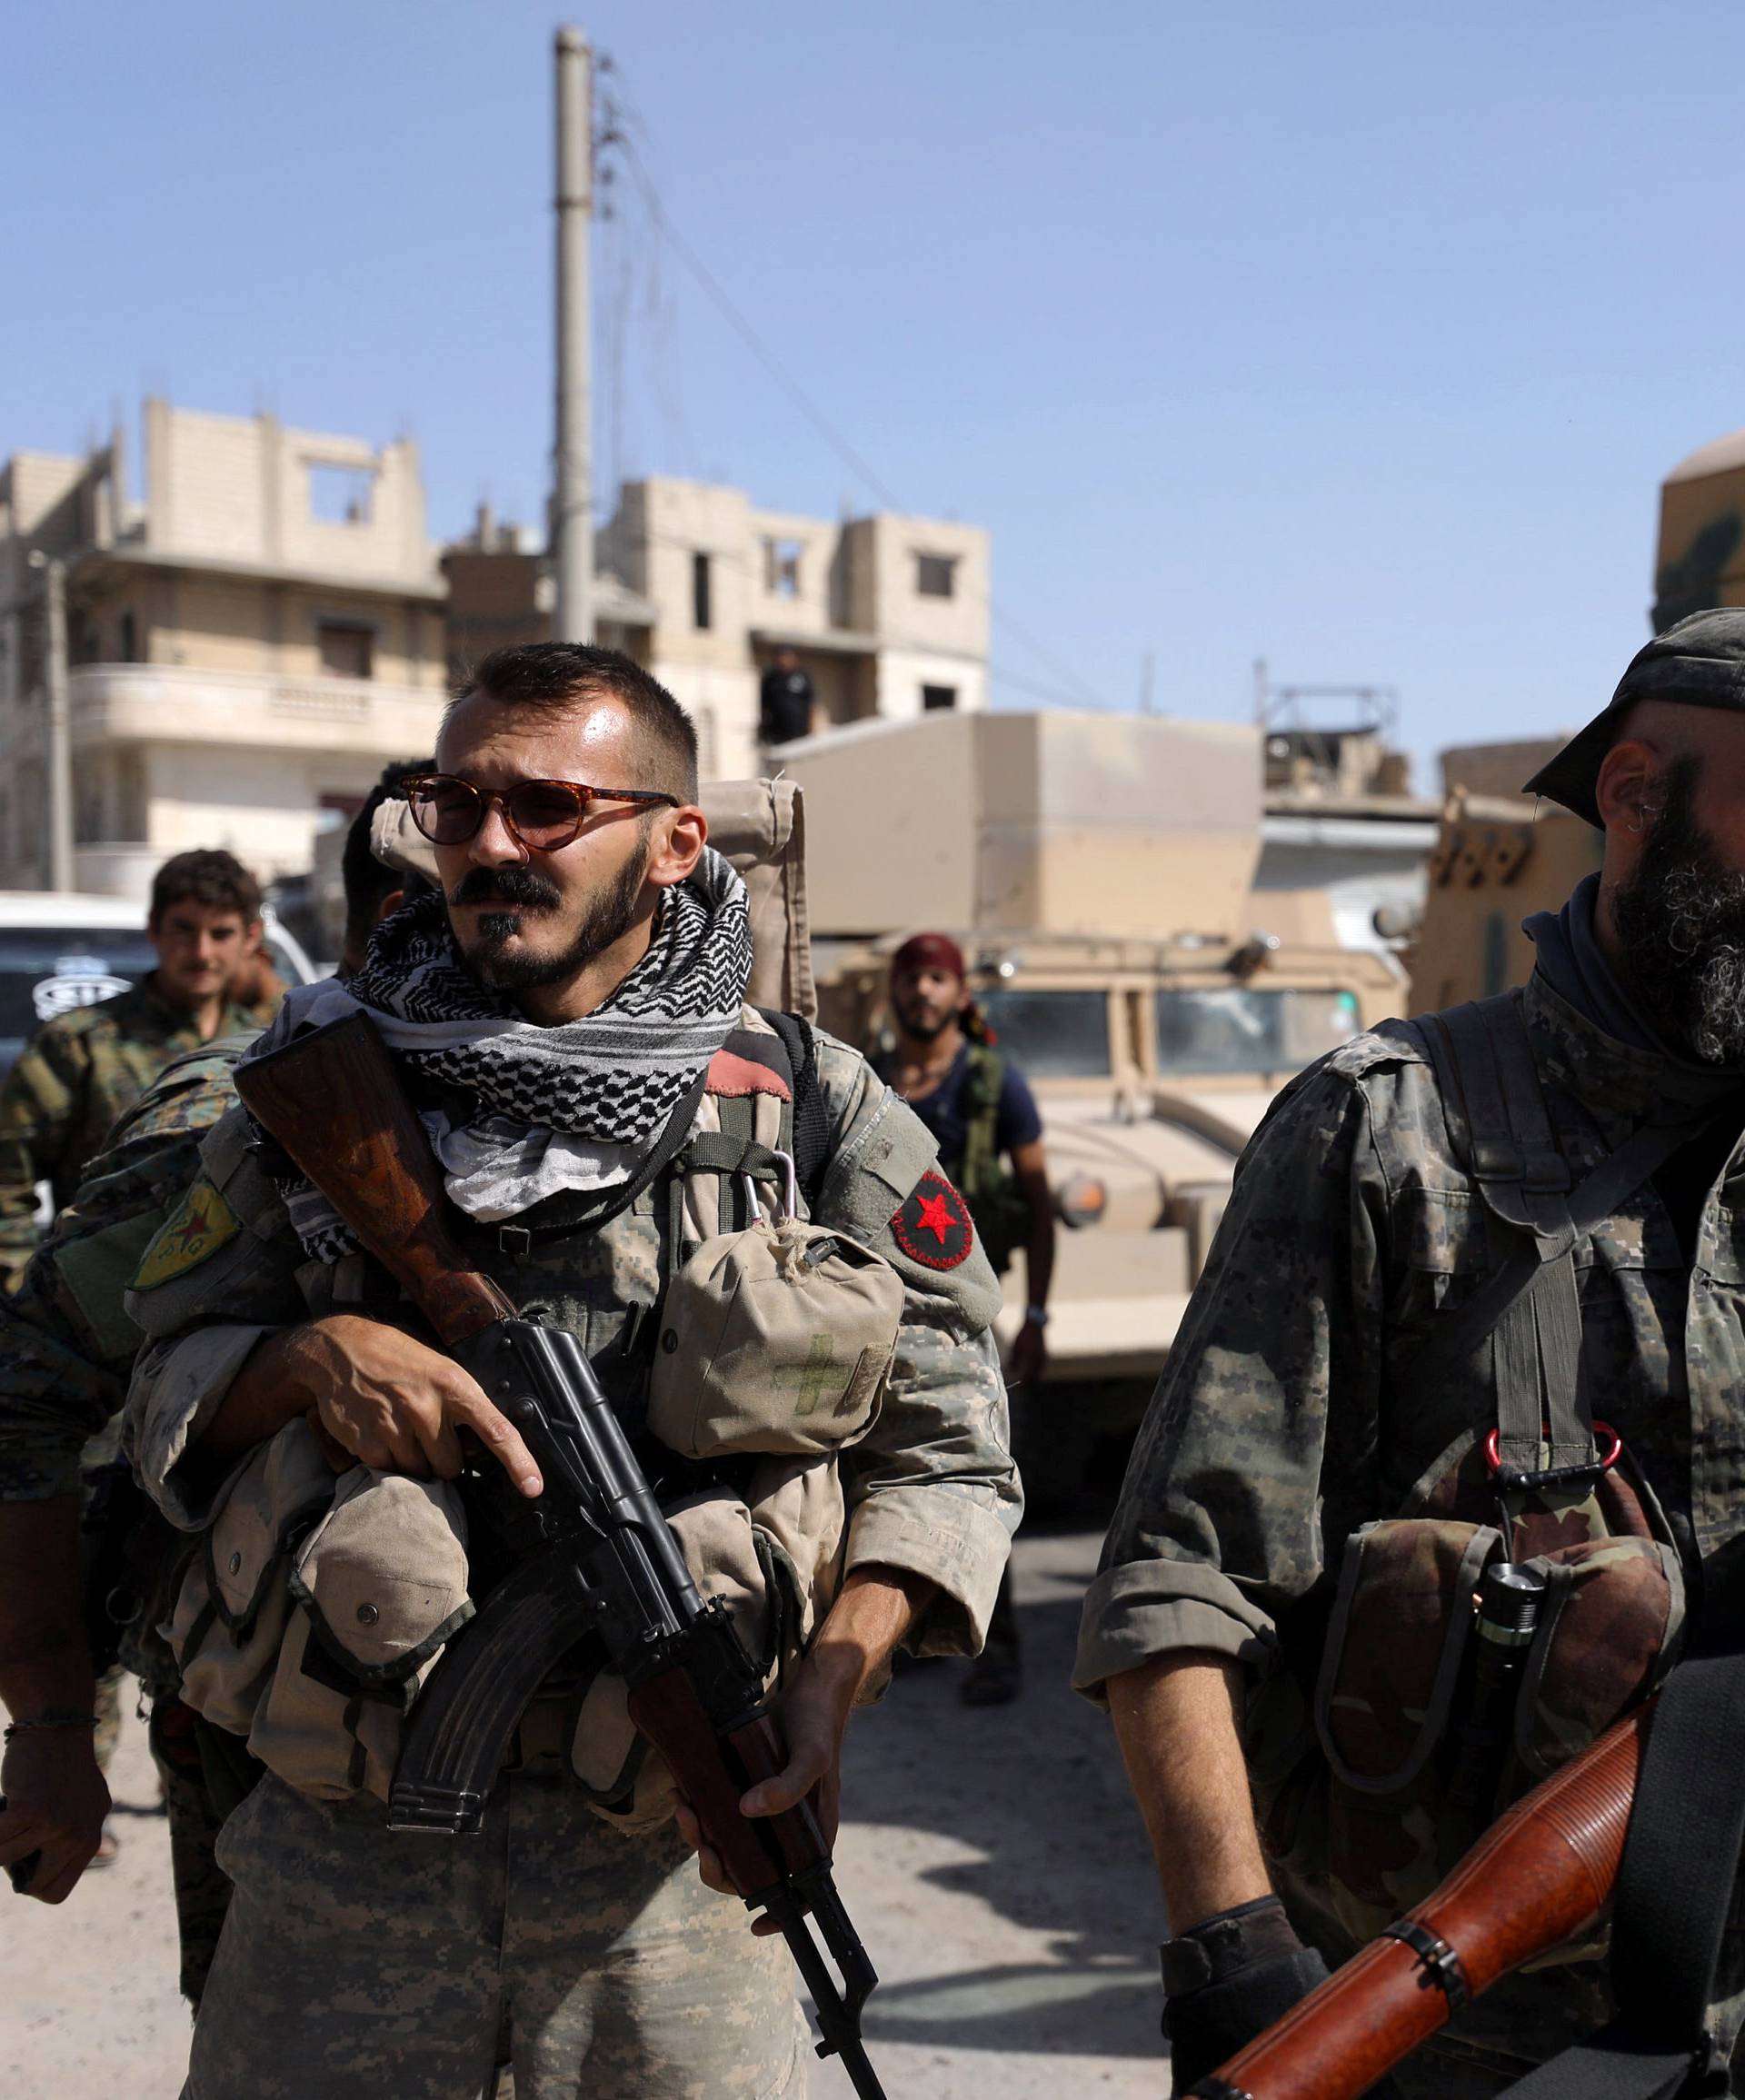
(1542, 1873)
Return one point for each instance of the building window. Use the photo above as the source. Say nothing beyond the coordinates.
(702, 607)
(781, 568)
(340, 495)
(129, 641)
(936, 575)
(347, 650)
(935, 697)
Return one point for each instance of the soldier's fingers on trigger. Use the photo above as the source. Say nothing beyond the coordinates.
(470, 1409)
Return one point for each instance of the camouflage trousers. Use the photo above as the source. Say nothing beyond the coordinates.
(355, 1960)
(202, 1893)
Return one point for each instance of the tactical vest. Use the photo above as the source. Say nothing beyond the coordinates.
(312, 1611)
(982, 1177)
(1367, 1802)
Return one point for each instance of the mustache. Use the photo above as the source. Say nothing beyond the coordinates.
(505, 886)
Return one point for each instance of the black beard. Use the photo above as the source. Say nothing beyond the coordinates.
(1682, 921)
(607, 921)
(922, 1029)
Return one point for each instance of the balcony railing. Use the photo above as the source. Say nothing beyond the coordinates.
(176, 703)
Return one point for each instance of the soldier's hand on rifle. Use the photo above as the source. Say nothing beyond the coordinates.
(388, 1398)
(873, 1610)
(55, 1800)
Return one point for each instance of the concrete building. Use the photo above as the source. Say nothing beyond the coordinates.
(888, 614)
(248, 643)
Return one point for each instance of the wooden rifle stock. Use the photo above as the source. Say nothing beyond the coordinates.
(1542, 1873)
(332, 1100)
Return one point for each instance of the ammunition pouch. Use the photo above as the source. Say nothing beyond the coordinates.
(313, 1609)
(777, 1340)
(1362, 1815)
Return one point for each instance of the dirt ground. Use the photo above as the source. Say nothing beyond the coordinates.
(992, 1861)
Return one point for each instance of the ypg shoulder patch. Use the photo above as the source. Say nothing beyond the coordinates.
(932, 1226)
(202, 1224)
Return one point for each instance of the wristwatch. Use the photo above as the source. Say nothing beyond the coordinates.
(1035, 1315)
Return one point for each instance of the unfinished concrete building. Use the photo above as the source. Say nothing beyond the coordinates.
(248, 642)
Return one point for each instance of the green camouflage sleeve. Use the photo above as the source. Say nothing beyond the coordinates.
(1271, 1390)
(65, 1343)
(39, 1102)
(220, 1273)
(932, 1489)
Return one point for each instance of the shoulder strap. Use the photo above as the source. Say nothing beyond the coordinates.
(810, 1117)
(1528, 1305)
(1497, 1120)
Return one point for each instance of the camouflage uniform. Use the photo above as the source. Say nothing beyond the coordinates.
(77, 1076)
(1289, 1414)
(67, 1348)
(605, 1963)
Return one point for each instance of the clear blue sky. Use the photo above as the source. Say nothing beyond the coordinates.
(1353, 336)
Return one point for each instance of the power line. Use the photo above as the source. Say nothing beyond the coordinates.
(622, 113)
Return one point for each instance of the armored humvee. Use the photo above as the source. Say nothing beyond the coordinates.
(1096, 871)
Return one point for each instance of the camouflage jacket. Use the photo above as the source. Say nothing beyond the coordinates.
(1288, 1414)
(66, 1346)
(932, 1488)
(78, 1074)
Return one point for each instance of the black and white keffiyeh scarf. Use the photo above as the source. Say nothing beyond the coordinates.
(567, 1106)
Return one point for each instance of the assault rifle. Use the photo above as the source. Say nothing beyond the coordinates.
(599, 1557)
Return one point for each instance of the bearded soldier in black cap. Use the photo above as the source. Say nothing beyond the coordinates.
(1474, 1324)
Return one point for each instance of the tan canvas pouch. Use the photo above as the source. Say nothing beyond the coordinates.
(379, 1586)
(778, 1339)
(231, 1610)
(731, 1557)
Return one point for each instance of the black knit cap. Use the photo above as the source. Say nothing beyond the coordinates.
(1698, 663)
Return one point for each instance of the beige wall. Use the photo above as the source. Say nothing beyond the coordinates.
(884, 597)
(243, 490)
(245, 624)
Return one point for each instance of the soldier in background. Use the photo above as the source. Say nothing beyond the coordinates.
(1330, 1372)
(786, 707)
(83, 1069)
(66, 1349)
(985, 1118)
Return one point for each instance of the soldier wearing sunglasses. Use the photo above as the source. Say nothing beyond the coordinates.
(554, 1009)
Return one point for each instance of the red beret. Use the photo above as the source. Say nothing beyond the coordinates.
(929, 951)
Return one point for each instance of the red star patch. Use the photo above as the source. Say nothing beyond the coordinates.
(932, 1226)
(196, 1224)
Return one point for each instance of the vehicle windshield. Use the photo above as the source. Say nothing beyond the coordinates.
(50, 970)
(1051, 1035)
(1241, 1029)
(45, 971)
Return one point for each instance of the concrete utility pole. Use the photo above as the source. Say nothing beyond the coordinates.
(60, 727)
(572, 497)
